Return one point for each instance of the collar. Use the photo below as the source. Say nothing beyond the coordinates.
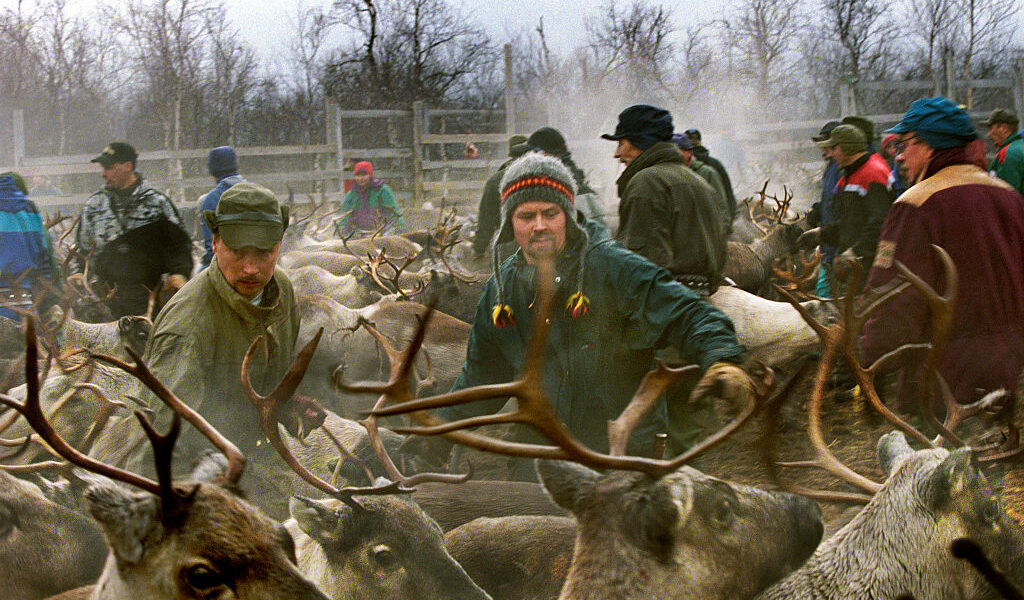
(659, 152)
(1013, 138)
(268, 312)
(852, 168)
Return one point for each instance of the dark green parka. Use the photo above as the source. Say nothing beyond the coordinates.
(671, 216)
(594, 363)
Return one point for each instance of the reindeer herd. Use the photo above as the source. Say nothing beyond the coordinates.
(372, 513)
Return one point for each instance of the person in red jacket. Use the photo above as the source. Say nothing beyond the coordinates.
(976, 218)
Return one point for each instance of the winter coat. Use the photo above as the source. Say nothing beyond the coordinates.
(863, 197)
(979, 221)
(27, 264)
(198, 343)
(1008, 163)
(368, 209)
(670, 216)
(133, 238)
(595, 362)
(209, 202)
(488, 215)
(708, 174)
(705, 157)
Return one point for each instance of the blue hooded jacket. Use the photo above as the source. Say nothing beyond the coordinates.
(26, 255)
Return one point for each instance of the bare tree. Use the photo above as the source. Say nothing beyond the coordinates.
(987, 27)
(634, 43)
(764, 32)
(861, 34)
(233, 76)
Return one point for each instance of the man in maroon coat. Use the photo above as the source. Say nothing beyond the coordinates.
(979, 221)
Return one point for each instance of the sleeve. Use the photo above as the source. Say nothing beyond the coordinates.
(166, 358)
(387, 200)
(347, 206)
(206, 233)
(83, 241)
(1012, 170)
(488, 215)
(904, 318)
(661, 312)
(646, 229)
(723, 200)
(485, 363)
(876, 204)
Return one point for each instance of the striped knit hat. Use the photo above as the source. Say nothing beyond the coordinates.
(537, 177)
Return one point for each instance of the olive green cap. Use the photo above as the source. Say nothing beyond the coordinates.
(248, 215)
(849, 138)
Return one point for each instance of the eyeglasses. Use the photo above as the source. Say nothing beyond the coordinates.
(903, 144)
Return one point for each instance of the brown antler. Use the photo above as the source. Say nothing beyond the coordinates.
(269, 410)
(33, 413)
(375, 263)
(236, 460)
(533, 406)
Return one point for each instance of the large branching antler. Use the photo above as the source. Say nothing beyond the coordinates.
(534, 409)
(395, 279)
(840, 340)
(33, 413)
(269, 410)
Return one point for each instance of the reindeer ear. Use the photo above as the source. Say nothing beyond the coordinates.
(124, 325)
(566, 482)
(892, 448)
(955, 475)
(324, 524)
(130, 520)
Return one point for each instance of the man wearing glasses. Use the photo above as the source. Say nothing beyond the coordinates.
(976, 218)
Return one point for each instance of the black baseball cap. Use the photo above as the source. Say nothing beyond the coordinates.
(116, 152)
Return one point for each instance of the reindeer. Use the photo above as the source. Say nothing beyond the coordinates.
(900, 543)
(45, 548)
(175, 540)
(647, 528)
(363, 542)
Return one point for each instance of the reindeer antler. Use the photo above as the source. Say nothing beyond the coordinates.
(533, 406)
(269, 410)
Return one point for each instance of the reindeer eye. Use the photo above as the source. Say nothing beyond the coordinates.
(202, 577)
(384, 556)
(722, 514)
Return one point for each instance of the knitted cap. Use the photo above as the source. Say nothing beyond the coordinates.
(536, 177)
(849, 138)
(222, 161)
(248, 215)
(17, 180)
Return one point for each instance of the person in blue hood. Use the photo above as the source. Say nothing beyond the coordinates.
(29, 274)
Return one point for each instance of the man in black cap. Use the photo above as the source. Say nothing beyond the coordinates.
(704, 155)
(131, 235)
(1008, 163)
(667, 213)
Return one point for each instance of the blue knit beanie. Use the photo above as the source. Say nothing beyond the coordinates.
(222, 161)
(939, 122)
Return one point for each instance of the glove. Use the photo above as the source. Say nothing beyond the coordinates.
(809, 239)
(842, 264)
(724, 380)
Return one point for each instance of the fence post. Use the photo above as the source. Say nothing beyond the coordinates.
(18, 130)
(418, 122)
(335, 136)
(510, 114)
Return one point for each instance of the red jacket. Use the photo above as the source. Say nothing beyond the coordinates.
(979, 221)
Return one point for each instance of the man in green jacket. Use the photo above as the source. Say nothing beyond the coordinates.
(203, 333)
(1008, 163)
(667, 213)
(614, 310)
(708, 174)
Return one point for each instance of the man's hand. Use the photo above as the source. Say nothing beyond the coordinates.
(174, 283)
(724, 380)
(809, 239)
(843, 263)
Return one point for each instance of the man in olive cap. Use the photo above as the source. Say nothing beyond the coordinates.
(203, 333)
(667, 213)
(979, 221)
(1008, 163)
(863, 196)
(131, 235)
